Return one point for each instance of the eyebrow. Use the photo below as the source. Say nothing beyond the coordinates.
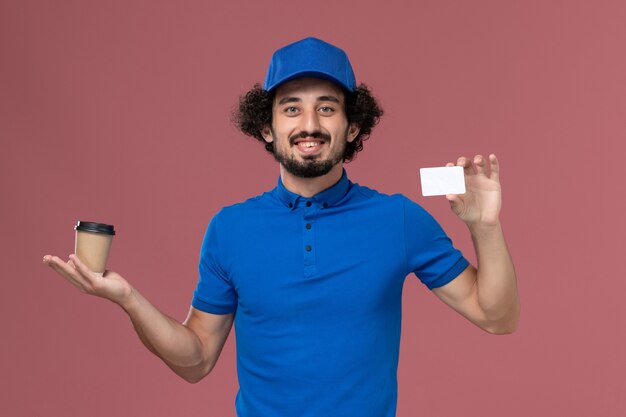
(291, 99)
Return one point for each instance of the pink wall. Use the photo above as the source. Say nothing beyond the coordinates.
(118, 112)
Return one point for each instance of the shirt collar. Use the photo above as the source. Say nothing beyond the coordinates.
(326, 198)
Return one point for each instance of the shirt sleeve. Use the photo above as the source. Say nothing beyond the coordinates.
(429, 251)
(215, 292)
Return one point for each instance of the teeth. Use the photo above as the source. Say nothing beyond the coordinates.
(308, 144)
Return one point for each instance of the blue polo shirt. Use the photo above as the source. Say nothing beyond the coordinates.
(316, 288)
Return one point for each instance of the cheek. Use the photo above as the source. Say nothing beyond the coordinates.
(283, 127)
(344, 130)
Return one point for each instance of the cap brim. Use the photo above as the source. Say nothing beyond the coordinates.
(312, 74)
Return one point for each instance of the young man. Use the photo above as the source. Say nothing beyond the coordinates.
(312, 271)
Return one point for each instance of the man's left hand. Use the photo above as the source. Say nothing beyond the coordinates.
(481, 203)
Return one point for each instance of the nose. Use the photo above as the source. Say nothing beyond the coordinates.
(310, 121)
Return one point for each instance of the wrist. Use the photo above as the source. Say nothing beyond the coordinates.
(484, 229)
(129, 301)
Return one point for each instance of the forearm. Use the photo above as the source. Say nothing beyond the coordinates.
(496, 282)
(178, 346)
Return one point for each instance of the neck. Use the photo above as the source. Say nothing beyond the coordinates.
(308, 187)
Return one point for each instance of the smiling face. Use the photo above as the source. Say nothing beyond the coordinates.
(309, 127)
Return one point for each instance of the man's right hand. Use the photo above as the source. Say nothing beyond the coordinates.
(190, 349)
(110, 286)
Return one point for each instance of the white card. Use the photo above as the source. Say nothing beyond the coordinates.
(442, 181)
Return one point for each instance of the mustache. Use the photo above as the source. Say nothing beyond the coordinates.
(305, 134)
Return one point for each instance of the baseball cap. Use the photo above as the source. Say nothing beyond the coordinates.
(310, 57)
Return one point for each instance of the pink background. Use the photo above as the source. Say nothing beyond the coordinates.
(118, 112)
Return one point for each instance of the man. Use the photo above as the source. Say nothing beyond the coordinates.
(312, 271)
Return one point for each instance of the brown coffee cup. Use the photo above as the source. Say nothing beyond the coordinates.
(93, 243)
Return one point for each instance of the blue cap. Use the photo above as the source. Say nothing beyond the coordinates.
(310, 57)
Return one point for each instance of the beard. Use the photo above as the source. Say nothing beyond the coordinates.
(310, 166)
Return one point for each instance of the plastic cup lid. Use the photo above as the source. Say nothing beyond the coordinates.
(93, 227)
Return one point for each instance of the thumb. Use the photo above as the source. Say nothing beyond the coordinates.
(454, 200)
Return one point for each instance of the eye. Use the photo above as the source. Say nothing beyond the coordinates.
(326, 109)
(290, 110)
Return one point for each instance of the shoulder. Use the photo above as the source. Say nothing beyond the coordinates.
(401, 206)
(398, 201)
(363, 192)
(230, 222)
(235, 212)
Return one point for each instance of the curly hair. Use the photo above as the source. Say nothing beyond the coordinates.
(254, 113)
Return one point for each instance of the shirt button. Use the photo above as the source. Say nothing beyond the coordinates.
(308, 248)
(325, 205)
(290, 205)
(308, 204)
(308, 225)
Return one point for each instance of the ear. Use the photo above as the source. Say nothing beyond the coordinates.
(353, 132)
(266, 132)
